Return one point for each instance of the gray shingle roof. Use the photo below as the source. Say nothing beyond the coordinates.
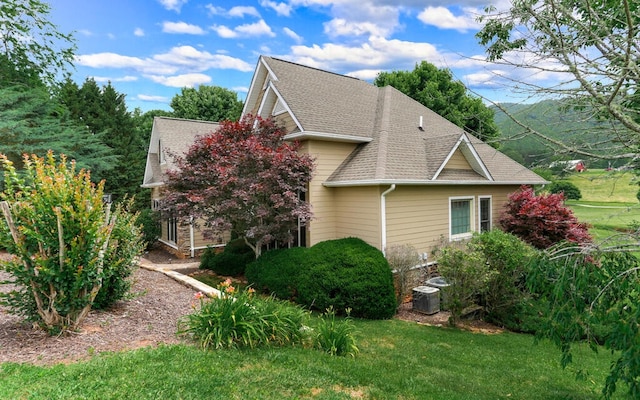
(399, 151)
(175, 135)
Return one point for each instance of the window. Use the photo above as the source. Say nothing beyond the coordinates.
(460, 217)
(155, 204)
(484, 214)
(172, 229)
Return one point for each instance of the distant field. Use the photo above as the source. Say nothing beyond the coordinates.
(606, 186)
(608, 203)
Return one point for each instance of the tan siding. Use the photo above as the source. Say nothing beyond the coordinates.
(358, 213)
(287, 122)
(419, 215)
(328, 156)
(458, 161)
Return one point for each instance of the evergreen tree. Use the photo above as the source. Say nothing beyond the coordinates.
(31, 123)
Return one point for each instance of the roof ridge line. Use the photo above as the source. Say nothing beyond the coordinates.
(382, 127)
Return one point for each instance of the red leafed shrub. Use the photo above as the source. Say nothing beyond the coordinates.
(542, 220)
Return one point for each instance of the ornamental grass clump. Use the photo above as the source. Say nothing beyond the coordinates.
(335, 336)
(237, 319)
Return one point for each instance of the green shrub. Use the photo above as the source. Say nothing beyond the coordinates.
(120, 259)
(571, 191)
(278, 272)
(348, 273)
(149, 220)
(244, 320)
(508, 259)
(64, 241)
(232, 261)
(335, 336)
(468, 275)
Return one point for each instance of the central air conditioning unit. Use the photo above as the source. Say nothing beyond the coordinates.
(426, 299)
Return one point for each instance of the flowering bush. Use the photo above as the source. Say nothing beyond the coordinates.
(543, 220)
(242, 319)
(67, 245)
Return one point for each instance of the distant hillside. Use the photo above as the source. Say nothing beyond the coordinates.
(547, 117)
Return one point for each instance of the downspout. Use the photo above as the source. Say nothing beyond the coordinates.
(192, 240)
(383, 216)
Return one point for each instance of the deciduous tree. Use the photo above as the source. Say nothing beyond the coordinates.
(542, 220)
(207, 103)
(31, 42)
(243, 178)
(592, 48)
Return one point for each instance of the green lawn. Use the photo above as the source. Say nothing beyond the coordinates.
(397, 360)
(606, 186)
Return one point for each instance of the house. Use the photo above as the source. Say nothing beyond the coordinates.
(569, 165)
(173, 136)
(388, 170)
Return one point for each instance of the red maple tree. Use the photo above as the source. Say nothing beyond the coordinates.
(542, 220)
(243, 178)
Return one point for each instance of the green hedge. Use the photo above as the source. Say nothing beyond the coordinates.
(343, 274)
(232, 261)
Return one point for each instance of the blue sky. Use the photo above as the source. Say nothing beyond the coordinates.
(150, 49)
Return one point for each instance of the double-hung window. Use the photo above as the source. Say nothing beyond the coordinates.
(461, 217)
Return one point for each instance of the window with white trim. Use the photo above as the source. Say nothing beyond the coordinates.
(484, 213)
(172, 229)
(460, 217)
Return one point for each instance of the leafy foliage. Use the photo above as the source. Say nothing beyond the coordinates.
(343, 274)
(207, 103)
(30, 124)
(589, 45)
(437, 90)
(104, 112)
(468, 275)
(63, 240)
(243, 178)
(588, 290)
(542, 220)
(243, 319)
(278, 271)
(31, 43)
(570, 191)
(335, 336)
(348, 274)
(232, 261)
(120, 259)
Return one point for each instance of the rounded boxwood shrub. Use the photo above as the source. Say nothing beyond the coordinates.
(232, 261)
(571, 191)
(348, 274)
(278, 272)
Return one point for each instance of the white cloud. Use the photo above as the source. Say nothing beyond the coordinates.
(182, 27)
(241, 11)
(376, 53)
(342, 27)
(283, 9)
(173, 5)
(186, 80)
(153, 99)
(179, 61)
(259, 28)
(364, 74)
(138, 32)
(296, 38)
(443, 18)
(127, 78)
(240, 89)
(85, 32)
